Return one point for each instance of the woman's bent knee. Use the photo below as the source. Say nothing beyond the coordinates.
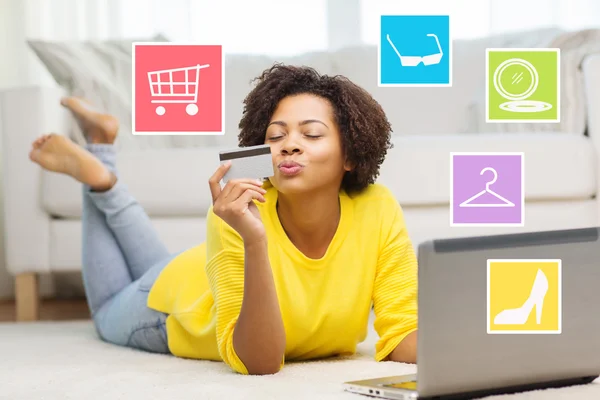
(151, 338)
(126, 320)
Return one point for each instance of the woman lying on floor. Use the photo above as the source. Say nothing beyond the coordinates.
(290, 267)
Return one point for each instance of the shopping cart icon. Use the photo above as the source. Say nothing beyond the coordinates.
(165, 88)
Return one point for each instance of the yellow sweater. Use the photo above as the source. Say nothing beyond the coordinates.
(325, 303)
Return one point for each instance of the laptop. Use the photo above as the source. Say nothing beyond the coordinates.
(532, 325)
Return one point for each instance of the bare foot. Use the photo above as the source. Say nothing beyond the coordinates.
(97, 127)
(59, 154)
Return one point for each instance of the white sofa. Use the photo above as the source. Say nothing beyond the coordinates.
(42, 210)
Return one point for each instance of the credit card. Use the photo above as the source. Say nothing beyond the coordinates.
(254, 162)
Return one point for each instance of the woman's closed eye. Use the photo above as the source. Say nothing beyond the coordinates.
(309, 136)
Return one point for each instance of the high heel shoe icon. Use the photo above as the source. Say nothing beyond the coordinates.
(519, 316)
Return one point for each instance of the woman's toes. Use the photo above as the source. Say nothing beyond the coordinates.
(33, 154)
(77, 105)
(39, 141)
(97, 126)
(70, 100)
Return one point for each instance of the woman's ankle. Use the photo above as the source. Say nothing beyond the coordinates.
(105, 187)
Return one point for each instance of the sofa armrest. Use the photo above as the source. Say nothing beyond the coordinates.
(25, 114)
(591, 82)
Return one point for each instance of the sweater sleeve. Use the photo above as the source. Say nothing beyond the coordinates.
(225, 273)
(395, 286)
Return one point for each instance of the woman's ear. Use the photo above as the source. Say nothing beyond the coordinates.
(348, 165)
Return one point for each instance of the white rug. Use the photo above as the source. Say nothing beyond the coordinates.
(66, 360)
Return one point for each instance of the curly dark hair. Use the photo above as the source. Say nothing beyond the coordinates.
(364, 128)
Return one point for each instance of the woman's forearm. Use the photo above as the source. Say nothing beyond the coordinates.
(259, 335)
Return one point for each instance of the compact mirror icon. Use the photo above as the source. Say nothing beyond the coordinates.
(413, 61)
(517, 101)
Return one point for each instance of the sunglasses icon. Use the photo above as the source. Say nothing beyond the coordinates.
(413, 61)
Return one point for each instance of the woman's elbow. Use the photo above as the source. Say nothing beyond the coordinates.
(264, 368)
(266, 359)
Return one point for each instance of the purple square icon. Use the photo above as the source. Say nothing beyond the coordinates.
(487, 189)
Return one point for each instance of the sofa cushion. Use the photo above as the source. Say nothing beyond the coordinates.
(174, 182)
(557, 165)
(419, 110)
(430, 223)
(574, 48)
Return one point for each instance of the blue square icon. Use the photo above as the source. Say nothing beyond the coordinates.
(415, 50)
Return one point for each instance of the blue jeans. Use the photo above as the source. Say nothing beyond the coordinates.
(122, 257)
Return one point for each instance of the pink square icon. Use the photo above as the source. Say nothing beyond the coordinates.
(178, 89)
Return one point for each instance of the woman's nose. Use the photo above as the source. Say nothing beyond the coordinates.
(290, 149)
(290, 145)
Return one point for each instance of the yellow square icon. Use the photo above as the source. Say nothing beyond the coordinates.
(524, 296)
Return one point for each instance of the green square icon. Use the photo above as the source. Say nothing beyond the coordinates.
(523, 85)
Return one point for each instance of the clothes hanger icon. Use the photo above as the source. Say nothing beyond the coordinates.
(506, 203)
(413, 61)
